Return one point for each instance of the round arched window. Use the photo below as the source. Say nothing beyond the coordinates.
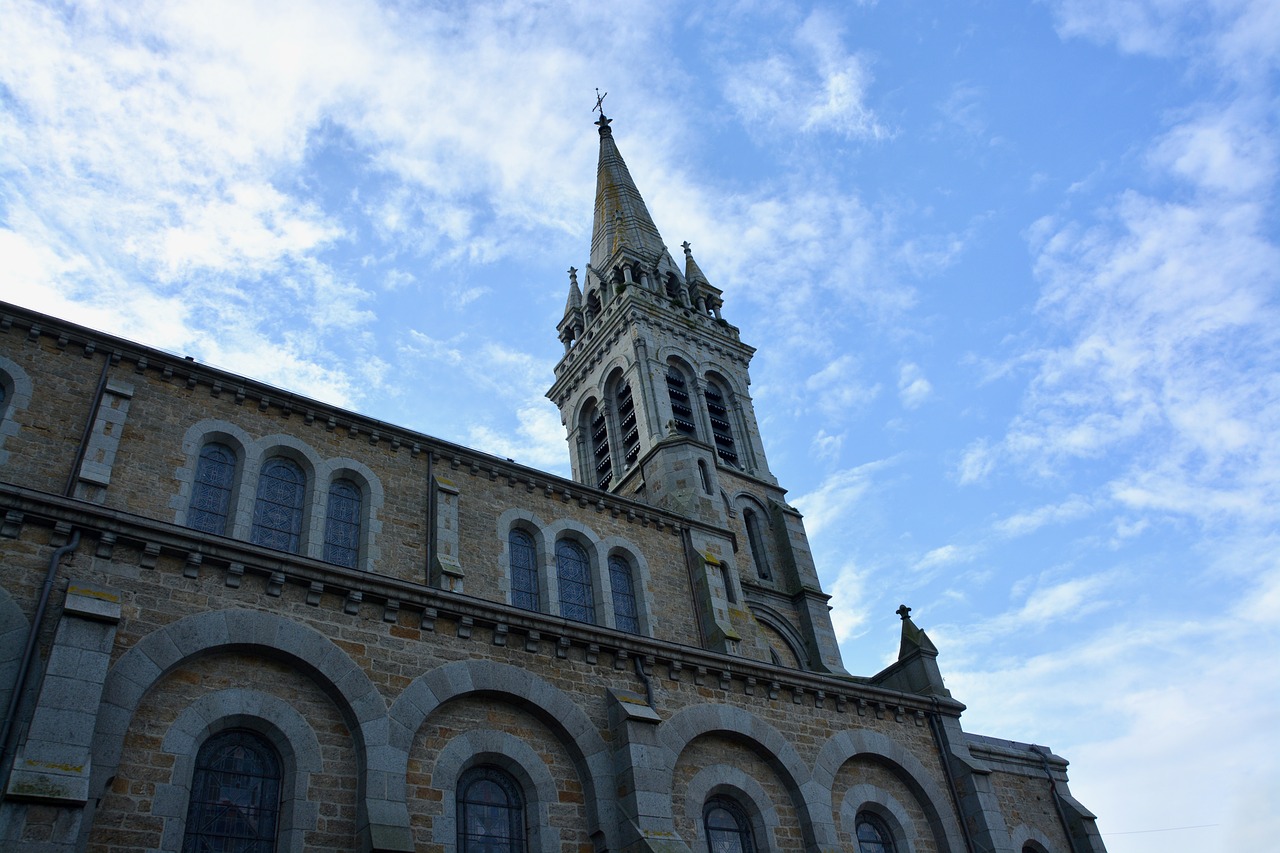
(490, 812)
(728, 830)
(873, 835)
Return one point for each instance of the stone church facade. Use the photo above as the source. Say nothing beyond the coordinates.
(232, 618)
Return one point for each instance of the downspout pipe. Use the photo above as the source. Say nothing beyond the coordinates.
(1057, 798)
(935, 726)
(28, 654)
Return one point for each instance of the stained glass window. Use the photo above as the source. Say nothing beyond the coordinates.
(277, 513)
(235, 796)
(211, 491)
(873, 835)
(625, 613)
(490, 812)
(524, 570)
(727, 828)
(573, 571)
(342, 524)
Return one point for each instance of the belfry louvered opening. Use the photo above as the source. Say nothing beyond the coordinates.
(681, 408)
(722, 432)
(627, 425)
(601, 455)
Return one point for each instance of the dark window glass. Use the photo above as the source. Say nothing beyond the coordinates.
(235, 796)
(277, 513)
(490, 812)
(342, 524)
(756, 541)
(873, 835)
(211, 491)
(727, 828)
(524, 571)
(574, 573)
(625, 613)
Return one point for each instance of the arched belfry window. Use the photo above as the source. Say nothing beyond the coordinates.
(727, 827)
(524, 570)
(681, 408)
(573, 571)
(211, 491)
(755, 540)
(601, 454)
(627, 424)
(873, 835)
(235, 796)
(722, 432)
(342, 524)
(626, 614)
(277, 512)
(490, 812)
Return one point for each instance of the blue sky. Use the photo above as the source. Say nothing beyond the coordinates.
(1011, 270)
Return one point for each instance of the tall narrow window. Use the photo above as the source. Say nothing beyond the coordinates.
(873, 835)
(235, 796)
(678, 391)
(211, 491)
(627, 424)
(756, 541)
(490, 812)
(625, 613)
(277, 512)
(524, 570)
(718, 411)
(727, 828)
(342, 524)
(573, 571)
(601, 455)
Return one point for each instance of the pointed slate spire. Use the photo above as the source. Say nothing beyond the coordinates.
(621, 219)
(574, 302)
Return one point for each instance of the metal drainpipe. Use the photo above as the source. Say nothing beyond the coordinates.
(1057, 798)
(648, 685)
(935, 726)
(28, 654)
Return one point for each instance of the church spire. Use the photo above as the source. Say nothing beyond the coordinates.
(622, 221)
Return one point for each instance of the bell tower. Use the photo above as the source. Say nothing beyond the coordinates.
(653, 390)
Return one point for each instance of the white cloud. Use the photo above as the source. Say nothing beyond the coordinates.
(977, 461)
(913, 388)
(818, 86)
(837, 496)
(1023, 523)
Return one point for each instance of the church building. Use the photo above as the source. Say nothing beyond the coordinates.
(236, 619)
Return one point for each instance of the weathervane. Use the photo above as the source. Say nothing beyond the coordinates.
(599, 107)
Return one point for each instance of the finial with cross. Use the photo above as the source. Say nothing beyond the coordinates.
(904, 611)
(599, 107)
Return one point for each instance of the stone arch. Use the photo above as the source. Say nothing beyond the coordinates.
(1024, 836)
(642, 579)
(519, 518)
(311, 652)
(263, 713)
(340, 468)
(298, 451)
(580, 534)
(766, 615)
(590, 754)
(845, 745)
(721, 779)
(513, 755)
(17, 388)
(193, 441)
(683, 726)
(893, 814)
